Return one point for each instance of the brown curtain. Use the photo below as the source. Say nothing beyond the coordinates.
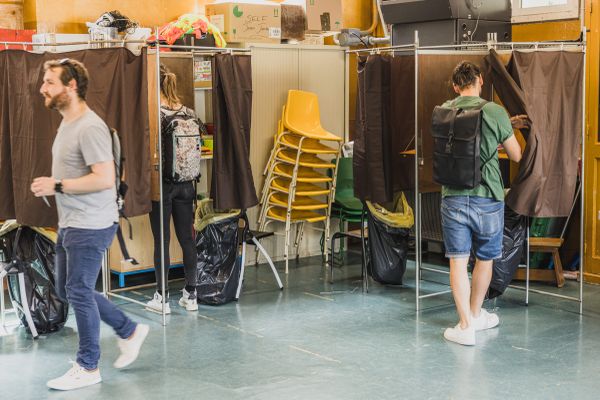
(372, 159)
(403, 121)
(117, 93)
(232, 183)
(435, 88)
(547, 86)
(508, 90)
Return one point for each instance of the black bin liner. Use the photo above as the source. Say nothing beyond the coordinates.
(218, 264)
(388, 248)
(34, 255)
(513, 245)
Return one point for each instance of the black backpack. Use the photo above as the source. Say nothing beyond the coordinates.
(456, 146)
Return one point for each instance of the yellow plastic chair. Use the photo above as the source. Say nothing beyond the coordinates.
(279, 214)
(306, 145)
(302, 116)
(304, 174)
(302, 188)
(299, 203)
(306, 160)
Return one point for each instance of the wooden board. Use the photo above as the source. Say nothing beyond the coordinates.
(537, 275)
(11, 14)
(141, 247)
(69, 16)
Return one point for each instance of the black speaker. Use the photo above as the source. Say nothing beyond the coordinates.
(410, 11)
(455, 31)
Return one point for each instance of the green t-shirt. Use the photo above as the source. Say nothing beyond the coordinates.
(495, 129)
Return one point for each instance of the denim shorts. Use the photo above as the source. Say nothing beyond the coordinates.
(472, 221)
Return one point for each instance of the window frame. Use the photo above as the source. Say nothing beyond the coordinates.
(544, 13)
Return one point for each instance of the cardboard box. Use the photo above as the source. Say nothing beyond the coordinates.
(324, 15)
(241, 22)
(51, 38)
(293, 22)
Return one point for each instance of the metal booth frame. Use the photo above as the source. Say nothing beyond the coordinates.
(202, 50)
(483, 48)
(210, 51)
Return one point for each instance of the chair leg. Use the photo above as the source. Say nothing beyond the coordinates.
(332, 261)
(286, 249)
(342, 247)
(260, 248)
(242, 269)
(560, 278)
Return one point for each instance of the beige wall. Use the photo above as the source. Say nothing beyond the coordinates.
(69, 16)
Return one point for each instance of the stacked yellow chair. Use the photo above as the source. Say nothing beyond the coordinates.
(298, 188)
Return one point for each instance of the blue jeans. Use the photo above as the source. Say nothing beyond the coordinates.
(472, 221)
(79, 254)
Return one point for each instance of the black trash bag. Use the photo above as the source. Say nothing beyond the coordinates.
(513, 245)
(33, 253)
(388, 247)
(218, 264)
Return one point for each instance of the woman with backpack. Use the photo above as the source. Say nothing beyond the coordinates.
(180, 132)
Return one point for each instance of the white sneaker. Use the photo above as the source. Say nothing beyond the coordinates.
(156, 304)
(485, 321)
(75, 378)
(189, 301)
(466, 337)
(130, 347)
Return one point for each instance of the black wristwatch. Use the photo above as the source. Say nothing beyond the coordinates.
(58, 188)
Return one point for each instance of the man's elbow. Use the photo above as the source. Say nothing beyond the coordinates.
(517, 157)
(107, 183)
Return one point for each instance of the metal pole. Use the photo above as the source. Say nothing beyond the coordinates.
(387, 48)
(560, 296)
(527, 267)
(160, 183)
(206, 48)
(582, 180)
(2, 306)
(6, 44)
(417, 197)
(510, 45)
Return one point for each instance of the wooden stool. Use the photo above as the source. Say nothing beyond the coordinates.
(546, 245)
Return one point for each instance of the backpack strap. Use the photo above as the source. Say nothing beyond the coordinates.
(15, 251)
(123, 246)
(448, 149)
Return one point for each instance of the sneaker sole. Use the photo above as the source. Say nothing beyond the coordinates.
(463, 343)
(159, 311)
(182, 304)
(63, 389)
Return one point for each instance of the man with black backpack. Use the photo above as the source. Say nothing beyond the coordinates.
(83, 182)
(467, 131)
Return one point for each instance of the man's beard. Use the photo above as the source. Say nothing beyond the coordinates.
(58, 102)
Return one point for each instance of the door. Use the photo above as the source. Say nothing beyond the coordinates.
(592, 146)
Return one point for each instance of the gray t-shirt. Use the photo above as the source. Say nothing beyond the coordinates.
(78, 145)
